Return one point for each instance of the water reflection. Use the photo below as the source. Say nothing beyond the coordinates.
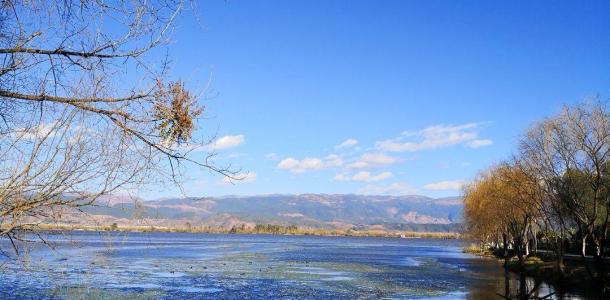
(508, 285)
(525, 288)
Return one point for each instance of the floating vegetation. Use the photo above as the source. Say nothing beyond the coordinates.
(165, 266)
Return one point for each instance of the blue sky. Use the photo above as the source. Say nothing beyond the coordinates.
(422, 94)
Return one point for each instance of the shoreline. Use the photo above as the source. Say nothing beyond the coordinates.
(541, 267)
(276, 230)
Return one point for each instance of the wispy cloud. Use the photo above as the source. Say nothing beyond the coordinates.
(42, 130)
(347, 144)
(309, 163)
(341, 177)
(228, 141)
(445, 185)
(479, 143)
(370, 160)
(333, 160)
(368, 177)
(223, 142)
(435, 137)
(363, 176)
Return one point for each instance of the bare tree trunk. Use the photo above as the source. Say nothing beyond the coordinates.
(505, 242)
(523, 292)
(583, 252)
(507, 293)
(597, 250)
(525, 240)
(534, 240)
(519, 245)
(559, 253)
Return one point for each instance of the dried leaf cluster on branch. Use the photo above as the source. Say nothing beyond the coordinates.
(86, 107)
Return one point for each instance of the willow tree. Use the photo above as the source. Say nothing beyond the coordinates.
(86, 107)
(519, 192)
(485, 210)
(481, 212)
(499, 205)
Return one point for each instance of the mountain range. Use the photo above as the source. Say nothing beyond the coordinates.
(338, 211)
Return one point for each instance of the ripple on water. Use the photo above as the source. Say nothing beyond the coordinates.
(325, 274)
(410, 262)
(337, 278)
(209, 290)
(249, 267)
(168, 274)
(134, 286)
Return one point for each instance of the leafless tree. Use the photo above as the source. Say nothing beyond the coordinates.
(86, 107)
(540, 157)
(570, 153)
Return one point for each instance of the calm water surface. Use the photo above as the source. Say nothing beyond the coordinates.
(117, 265)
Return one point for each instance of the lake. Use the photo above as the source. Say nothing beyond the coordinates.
(218, 266)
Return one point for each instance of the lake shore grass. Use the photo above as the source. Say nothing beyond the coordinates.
(477, 250)
(265, 229)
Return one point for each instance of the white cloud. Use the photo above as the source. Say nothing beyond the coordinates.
(298, 166)
(445, 185)
(392, 189)
(341, 177)
(368, 160)
(433, 137)
(333, 160)
(363, 176)
(367, 177)
(251, 176)
(228, 141)
(479, 143)
(42, 130)
(309, 163)
(347, 144)
(224, 142)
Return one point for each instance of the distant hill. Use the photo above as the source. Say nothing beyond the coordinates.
(345, 211)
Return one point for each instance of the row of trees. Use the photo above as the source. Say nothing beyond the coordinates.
(265, 228)
(555, 191)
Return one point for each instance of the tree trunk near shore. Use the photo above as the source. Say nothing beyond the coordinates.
(534, 240)
(520, 250)
(583, 252)
(507, 284)
(598, 261)
(559, 253)
(597, 250)
(519, 255)
(505, 243)
(523, 292)
(524, 242)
